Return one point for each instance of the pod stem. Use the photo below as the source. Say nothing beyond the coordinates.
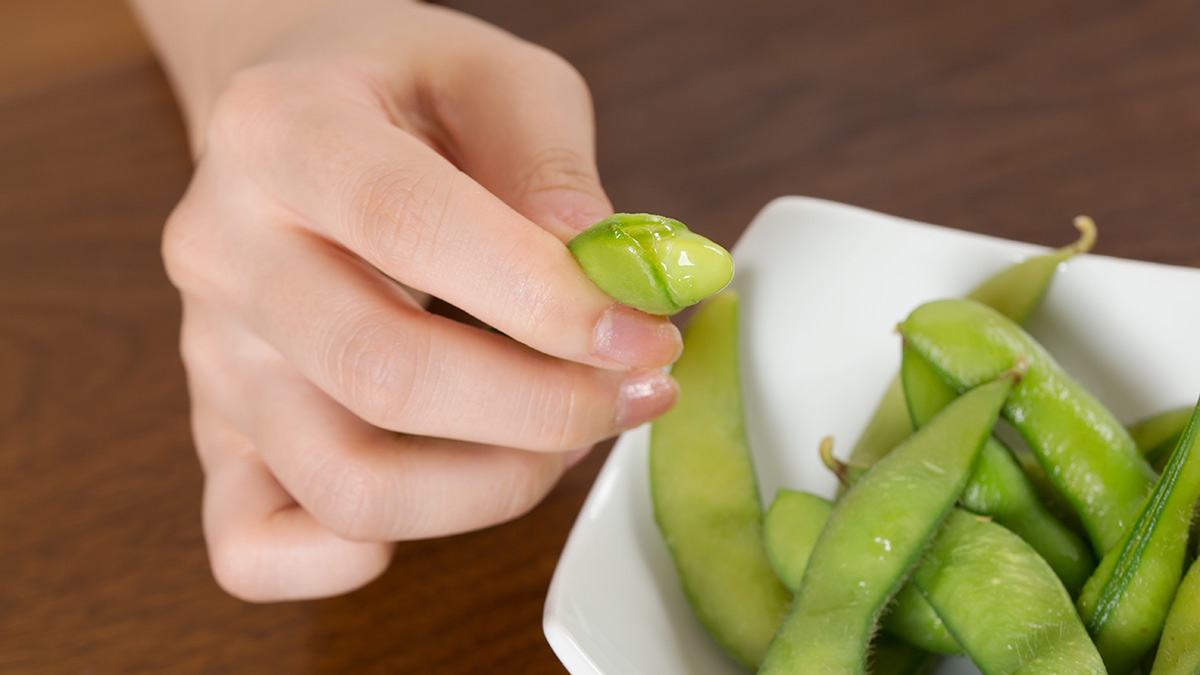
(843, 470)
(1087, 235)
(1020, 366)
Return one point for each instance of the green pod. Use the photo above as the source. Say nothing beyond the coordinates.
(1085, 451)
(1015, 292)
(651, 263)
(1179, 649)
(705, 492)
(889, 425)
(998, 487)
(891, 656)
(790, 528)
(875, 536)
(912, 619)
(792, 524)
(1156, 436)
(1125, 602)
(1002, 602)
(1051, 498)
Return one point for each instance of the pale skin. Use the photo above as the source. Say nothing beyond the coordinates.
(352, 157)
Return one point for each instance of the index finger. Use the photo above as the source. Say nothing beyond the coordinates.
(389, 198)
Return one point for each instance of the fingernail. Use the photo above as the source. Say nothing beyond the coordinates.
(636, 339)
(645, 395)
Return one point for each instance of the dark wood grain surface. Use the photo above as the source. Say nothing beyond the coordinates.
(1003, 118)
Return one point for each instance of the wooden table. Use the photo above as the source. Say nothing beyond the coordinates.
(1003, 118)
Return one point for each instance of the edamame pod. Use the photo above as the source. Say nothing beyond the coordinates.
(792, 524)
(1125, 602)
(876, 534)
(890, 656)
(998, 487)
(1085, 451)
(790, 528)
(705, 492)
(1014, 291)
(652, 263)
(1156, 436)
(1179, 648)
(1002, 602)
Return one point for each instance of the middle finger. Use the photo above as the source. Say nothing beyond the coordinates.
(354, 334)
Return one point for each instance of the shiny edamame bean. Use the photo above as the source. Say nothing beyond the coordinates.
(1002, 602)
(651, 263)
(705, 492)
(1014, 292)
(1086, 452)
(1125, 602)
(998, 487)
(876, 534)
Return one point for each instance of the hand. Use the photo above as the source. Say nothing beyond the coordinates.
(369, 148)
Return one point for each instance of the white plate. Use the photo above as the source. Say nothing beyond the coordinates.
(823, 286)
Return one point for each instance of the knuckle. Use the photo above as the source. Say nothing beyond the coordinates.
(200, 249)
(535, 304)
(558, 169)
(177, 246)
(348, 500)
(559, 417)
(374, 368)
(398, 214)
(245, 113)
(528, 483)
(189, 250)
(560, 72)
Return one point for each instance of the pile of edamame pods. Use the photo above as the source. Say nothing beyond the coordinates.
(1064, 556)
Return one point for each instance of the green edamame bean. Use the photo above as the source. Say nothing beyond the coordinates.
(1014, 291)
(1125, 602)
(1179, 648)
(652, 263)
(791, 526)
(998, 487)
(1156, 436)
(1002, 602)
(705, 492)
(1088, 455)
(875, 535)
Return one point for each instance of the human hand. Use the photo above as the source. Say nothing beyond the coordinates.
(372, 144)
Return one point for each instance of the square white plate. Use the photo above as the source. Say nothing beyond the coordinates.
(823, 286)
